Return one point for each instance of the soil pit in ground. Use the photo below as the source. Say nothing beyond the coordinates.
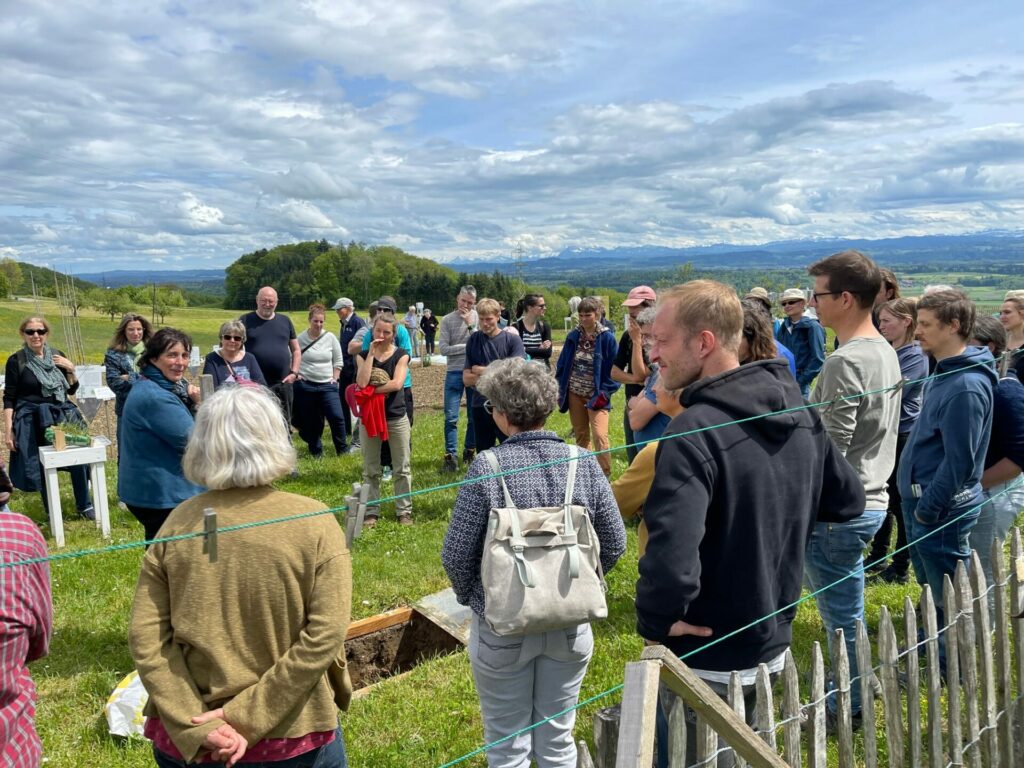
(394, 643)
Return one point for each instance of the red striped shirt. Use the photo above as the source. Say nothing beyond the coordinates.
(26, 625)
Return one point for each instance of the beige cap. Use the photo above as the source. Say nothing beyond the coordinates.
(792, 293)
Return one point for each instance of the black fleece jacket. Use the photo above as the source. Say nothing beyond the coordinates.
(730, 512)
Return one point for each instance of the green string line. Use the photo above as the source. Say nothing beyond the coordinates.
(803, 599)
(459, 483)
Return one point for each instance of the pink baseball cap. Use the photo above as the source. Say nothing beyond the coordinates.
(639, 295)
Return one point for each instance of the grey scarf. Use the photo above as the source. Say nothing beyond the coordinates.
(51, 378)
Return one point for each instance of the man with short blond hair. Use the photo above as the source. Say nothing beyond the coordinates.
(726, 493)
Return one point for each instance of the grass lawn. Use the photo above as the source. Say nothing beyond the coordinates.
(425, 719)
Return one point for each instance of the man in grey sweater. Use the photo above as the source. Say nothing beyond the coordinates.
(863, 428)
(454, 331)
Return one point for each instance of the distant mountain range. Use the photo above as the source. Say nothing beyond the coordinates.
(211, 280)
(588, 265)
(945, 249)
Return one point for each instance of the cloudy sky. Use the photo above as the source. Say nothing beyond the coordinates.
(183, 134)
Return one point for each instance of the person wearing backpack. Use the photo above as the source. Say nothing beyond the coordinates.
(530, 667)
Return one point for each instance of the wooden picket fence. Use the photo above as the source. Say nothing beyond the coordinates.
(977, 722)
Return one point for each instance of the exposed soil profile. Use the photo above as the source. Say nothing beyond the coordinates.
(395, 649)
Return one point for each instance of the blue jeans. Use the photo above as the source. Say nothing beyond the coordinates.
(328, 756)
(836, 550)
(994, 521)
(935, 552)
(312, 404)
(453, 389)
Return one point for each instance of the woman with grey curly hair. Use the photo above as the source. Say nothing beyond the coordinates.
(522, 678)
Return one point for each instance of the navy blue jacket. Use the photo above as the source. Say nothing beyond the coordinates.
(945, 453)
(155, 428)
(806, 340)
(604, 357)
(348, 332)
(1007, 440)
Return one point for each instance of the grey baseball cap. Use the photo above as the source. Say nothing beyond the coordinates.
(343, 302)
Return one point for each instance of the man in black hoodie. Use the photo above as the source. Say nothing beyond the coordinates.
(731, 509)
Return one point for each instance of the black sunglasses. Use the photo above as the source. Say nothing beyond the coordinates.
(36, 331)
(788, 303)
(226, 337)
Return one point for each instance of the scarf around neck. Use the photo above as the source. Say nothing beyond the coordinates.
(135, 350)
(179, 389)
(51, 378)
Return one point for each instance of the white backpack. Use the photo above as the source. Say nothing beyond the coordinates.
(541, 566)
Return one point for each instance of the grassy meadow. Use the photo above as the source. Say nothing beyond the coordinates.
(427, 718)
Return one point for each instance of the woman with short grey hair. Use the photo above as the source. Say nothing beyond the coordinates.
(265, 679)
(525, 678)
(231, 364)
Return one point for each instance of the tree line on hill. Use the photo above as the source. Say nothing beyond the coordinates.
(317, 271)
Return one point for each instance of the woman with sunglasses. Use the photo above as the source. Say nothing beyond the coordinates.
(231, 363)
(121, 361)
(38, 382)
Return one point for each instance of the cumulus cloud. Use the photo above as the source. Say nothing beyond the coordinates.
(195, 132)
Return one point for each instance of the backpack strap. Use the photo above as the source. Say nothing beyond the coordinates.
(516, 541)
(496, 469)
(569, 529)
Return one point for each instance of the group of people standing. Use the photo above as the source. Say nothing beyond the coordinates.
(750, 497)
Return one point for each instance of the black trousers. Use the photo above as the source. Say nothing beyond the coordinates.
(151, 519)
(348, 376)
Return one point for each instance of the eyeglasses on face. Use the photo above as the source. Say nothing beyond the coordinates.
(792, 302)
(826, 293)
(36, 331)
(488, 407)
(228, 337)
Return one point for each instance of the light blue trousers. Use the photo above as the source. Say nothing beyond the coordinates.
(523, 679)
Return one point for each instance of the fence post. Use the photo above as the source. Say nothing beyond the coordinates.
(791, 711)
(677, 733)
(990, 737)
(891, 705)
(968, 664)
(636, 727)
(913, 683)
(1003, 680)
(816, 757)
(934, 678)
(867, 695)
(844, 719)
(764, 708)
(739, 706)
(956, 739)
(1016, 605)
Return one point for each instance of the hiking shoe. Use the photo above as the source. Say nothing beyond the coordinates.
(468, 455)
(405, 519)
(89, 513)
(386, 475)
(369, 521)
(450, 466)
(354, 448)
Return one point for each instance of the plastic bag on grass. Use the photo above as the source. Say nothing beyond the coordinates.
(124, 707)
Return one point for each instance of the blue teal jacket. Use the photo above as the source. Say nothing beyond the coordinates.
(806, 340)
(155, 427)
(604, 357)
(945, 453)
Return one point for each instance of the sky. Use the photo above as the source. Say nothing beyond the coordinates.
(172, 135)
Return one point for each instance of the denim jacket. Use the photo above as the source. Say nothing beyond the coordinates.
(604, 357)
(119, 364)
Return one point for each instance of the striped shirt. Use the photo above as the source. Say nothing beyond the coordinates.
(26, 610)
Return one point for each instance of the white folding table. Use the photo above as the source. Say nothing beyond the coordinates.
(93, 456)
